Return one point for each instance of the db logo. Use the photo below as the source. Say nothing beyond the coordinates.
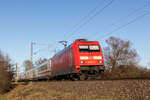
(90, 61)
(90, 57)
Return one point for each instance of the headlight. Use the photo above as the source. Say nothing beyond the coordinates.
(84, 57)
(100, 62)
(97, 57)
(82, 62)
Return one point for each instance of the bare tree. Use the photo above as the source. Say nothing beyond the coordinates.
(40, 61)
(6, 72)
(119, 52)
(149, 65)
(27, 64)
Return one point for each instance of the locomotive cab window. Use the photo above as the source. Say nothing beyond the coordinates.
(94, 48)
(89, 48)
(83, 48)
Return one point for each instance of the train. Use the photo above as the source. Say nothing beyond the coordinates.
(80, 60)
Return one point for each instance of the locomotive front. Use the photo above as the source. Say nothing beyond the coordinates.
(88, 58)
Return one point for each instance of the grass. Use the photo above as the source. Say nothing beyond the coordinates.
(41, 92)
(3, 97)
(82, 90)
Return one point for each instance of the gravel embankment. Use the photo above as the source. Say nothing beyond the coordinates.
(83, 90)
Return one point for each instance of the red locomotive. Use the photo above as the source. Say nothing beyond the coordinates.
(80, 60)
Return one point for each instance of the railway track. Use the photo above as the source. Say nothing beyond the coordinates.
(67, 80)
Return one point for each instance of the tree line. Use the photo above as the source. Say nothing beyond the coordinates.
(121, 61)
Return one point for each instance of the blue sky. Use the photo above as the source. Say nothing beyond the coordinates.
(46, 21)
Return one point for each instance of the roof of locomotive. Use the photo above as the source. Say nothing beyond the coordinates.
(76, 42)
(61, 51)
(85, 43)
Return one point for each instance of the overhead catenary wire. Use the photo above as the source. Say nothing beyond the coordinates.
(130, 14)
(84, 18)
(124, 25)
(43, 49)
(89, 19)
(47, 48)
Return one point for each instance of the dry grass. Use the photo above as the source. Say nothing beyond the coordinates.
(40, 91)
(83, 90)
(3, 97)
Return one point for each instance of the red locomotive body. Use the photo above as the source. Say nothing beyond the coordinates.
(63, 62)
(80, 58)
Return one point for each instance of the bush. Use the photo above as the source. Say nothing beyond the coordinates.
(5, 73)
(5, 81)
(127, 72)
